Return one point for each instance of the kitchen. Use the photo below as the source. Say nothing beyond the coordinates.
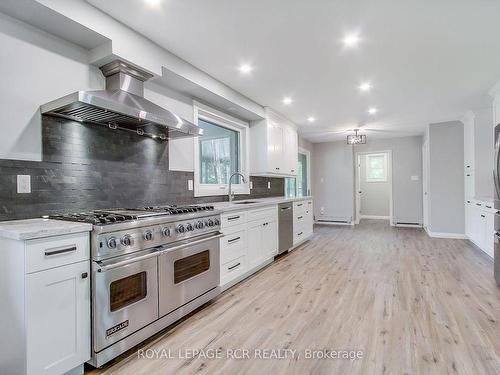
(153, 198)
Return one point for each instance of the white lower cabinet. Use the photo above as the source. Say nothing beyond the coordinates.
(58, 319)
(302, 221)
(45, 309)
(250, 241)
(479, 225)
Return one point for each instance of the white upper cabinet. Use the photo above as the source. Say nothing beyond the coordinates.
(274, 146)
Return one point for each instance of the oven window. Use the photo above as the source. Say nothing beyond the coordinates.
(126, 291)
(191, 266)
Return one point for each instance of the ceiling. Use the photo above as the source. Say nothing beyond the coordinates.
(428, 61)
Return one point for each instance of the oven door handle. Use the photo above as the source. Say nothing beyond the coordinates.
(111, 266)
(191, 243)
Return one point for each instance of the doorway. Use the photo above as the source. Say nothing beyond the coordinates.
(374, 186)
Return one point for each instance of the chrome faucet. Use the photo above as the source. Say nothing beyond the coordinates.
(231, 195)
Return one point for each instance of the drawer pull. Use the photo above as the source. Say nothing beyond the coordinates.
(300, 204)
(483, 216)
(478, 204)
(85, 275)
(488, 206)
(233, 218)
(300, 233)
(233, 239)
(285, 208)
(300, 217)
(265, 224)
(49, 253)
(233, 267)
(468, 175)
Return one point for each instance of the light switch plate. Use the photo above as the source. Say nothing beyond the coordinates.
(251, 185)
(23, 184)
(415, 178)
(190, 185)
(269, 184)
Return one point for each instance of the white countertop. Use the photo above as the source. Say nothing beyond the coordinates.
(260, 202)
(38, 228)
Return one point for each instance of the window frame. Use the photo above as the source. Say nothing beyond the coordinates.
(368, 169)
(206, 113)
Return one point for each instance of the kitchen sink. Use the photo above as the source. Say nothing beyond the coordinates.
(245, 202)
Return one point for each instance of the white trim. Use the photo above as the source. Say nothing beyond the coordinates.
(331, 223)
(408, 225)
(202, 111)
(456, 236)
(374, 217)
(357, 183)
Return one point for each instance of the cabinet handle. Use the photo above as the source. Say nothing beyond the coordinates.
(233, 239)
(277, 169)
(483, 216)
(49, 253)
(233, 218)
(478, 204)
(233, 267)
(300, 217)
(85, 275)
(265, 224)
(468, 175)
(468, 201)
(285, 208)
(488, 206)
(300, 233)
(300, 204)
(293, 170)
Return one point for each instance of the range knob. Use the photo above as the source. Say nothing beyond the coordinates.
(210, 222)
(166, 232)
(148, 235)
(217, 221)
(189, 227)
(127, 240)
(199, 225)
(112, 243)
(180, 228)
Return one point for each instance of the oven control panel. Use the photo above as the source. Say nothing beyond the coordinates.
(109, 245)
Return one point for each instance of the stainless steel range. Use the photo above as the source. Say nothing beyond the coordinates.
(150, 267)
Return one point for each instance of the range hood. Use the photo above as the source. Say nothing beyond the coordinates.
(122, 106)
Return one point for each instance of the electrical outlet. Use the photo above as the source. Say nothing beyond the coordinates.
(190, 185)
(251, 185)
(23, 184)
(269, 184)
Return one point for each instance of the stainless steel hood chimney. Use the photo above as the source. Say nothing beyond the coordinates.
(122, 106)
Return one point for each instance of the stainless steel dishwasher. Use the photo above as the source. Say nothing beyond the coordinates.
(285, 225)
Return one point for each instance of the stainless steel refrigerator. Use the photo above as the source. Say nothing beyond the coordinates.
(496, 173)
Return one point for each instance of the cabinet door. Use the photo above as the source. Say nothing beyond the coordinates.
(290, 151)
(275, 148)
(255, 253)
(469, 219)
(489, 233)
(270, 239)
(58, 319)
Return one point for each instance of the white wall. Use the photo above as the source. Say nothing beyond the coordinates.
(375, 196)
(333, 181)
(484, 152)
(446, 178)
(36, 68)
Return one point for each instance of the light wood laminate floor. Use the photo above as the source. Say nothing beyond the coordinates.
(412, 304)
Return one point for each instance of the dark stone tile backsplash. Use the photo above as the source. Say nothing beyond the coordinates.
(88, 167)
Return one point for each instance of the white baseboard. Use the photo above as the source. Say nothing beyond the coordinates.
(331, 223)
(408, 225)
(374, 217)
(456, 236)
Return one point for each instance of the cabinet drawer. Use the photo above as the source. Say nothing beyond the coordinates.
(299, 207)
(233, 218)
(50, 252)
(300, 234)
(264, 213)
(231, 270)
(233, 245)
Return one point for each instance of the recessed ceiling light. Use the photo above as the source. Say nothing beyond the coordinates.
(365, 86)
(372, 110)
(351, 40)
(287, 100)
(246, 68)
(153, 3)
(311, 119)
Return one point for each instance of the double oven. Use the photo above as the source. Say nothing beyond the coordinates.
(137, 294)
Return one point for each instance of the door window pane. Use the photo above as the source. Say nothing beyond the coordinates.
(127, 291)
(376, 168)
(219, 153)
(302, 187)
